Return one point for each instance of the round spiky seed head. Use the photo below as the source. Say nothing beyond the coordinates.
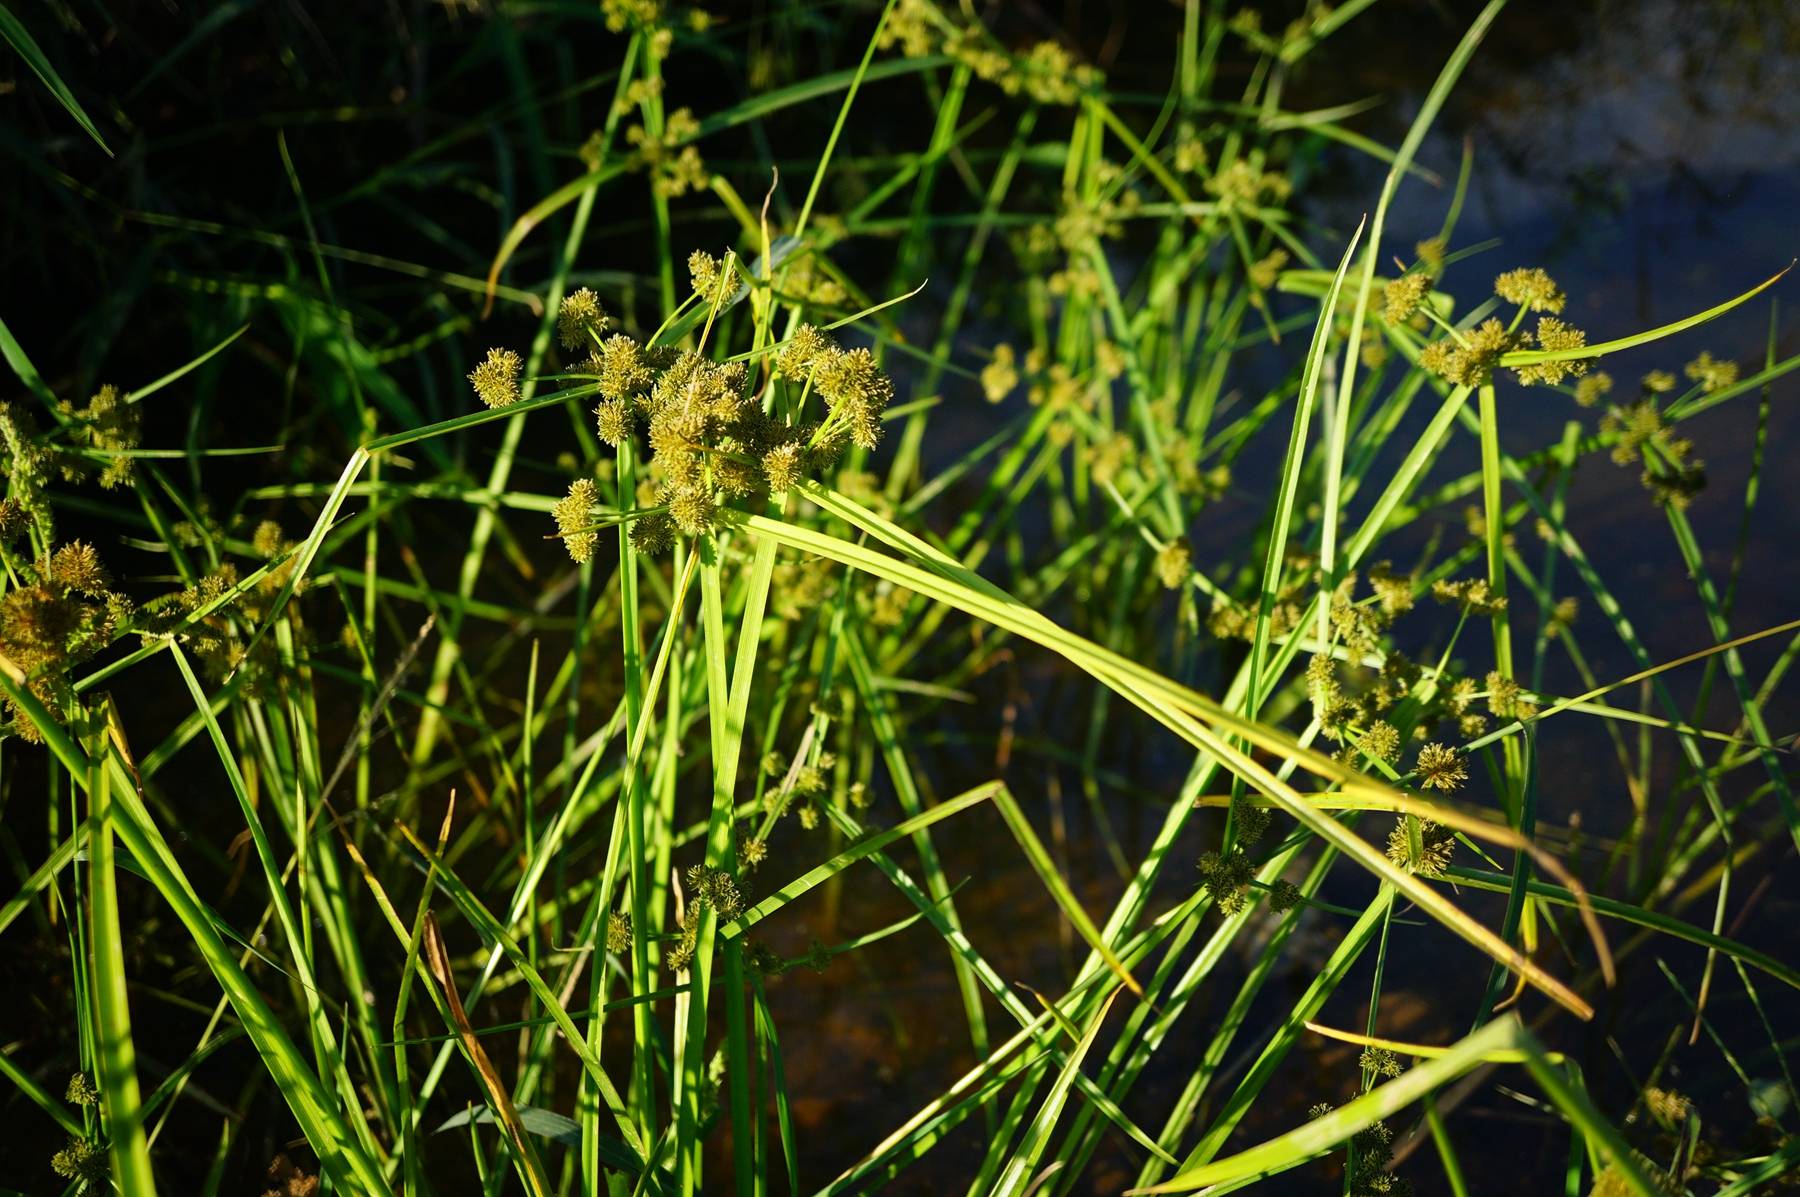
(618, 932)
(266, 540)
(81, 1091)
(1284, 896)
(82, 1160)
(1669, 1108)
(784, 465)
(693, 509)
(1174, 563)
(1506, 698)
(1593, 388)
(1402, 297)
(652, 534)
(496, 378)
(625, 368)
(1440, 768)
(1227, 878)
(1710, 373)
(1001, 375)
(1531, 289)
(1252, 820)
(1381, 742)
(1471, 362)
(1555, 336)
(14, 519)
(806, 347)
(76, 566)
(614, 421)
(1432, 856)
(581, 321)
(754, 851)
(713, 281)
(574, 516)
(1381, 1062)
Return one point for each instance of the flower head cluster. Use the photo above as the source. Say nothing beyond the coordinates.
(214, 616)
(709, 889)
(1264, 272)
(1375, 710)
(711, 440)
(1469, 359)
(1001, 375)
(1440, 768)
(1284, 896)
(811, 281)
(655, 20)
(1561, 616)
(496, 377)
(1251, 820)
(83, 1161)
(1401, 298)
(801, 787)
(1241, 185)
(618, 932)
(1379, 1061)
(1507, 699)
(1531, 289)
(81, 1091)
(1672, 474)
(1593, 388)
(674, 165)
(285, 1178)
(852, 386)
(61, 612)
(1371, 1155)
(107, 426)
(581, 321)
(1472, 593)
(1380, 742)
(1229, 620)
(574, 515)
(1227, 878)
(1174, 563)
(1555, 336)
(713, 281)
(1083, 221)
(1371, 1149)
(27, 465)
(1711, 374)
(1668, 1108)
(1612, 1182)
(1420, 846)
(1046, 71)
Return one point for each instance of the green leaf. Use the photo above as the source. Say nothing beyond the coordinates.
(22, 41)
(548, 1124)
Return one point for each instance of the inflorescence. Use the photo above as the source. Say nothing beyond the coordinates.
(712, 439)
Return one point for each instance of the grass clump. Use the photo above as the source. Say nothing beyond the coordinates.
(1036, 496)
